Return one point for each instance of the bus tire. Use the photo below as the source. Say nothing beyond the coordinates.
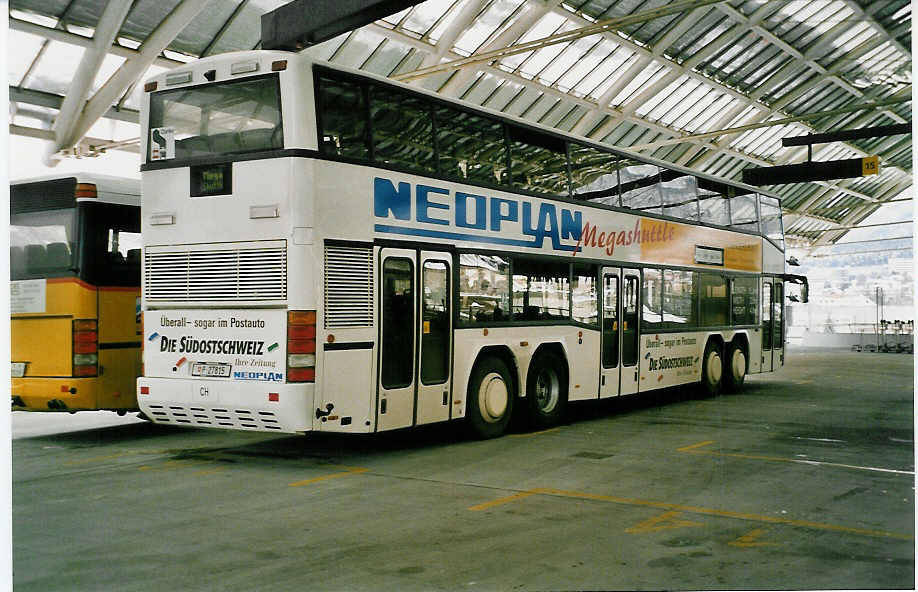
(712, 369)
(734, 368)
(546, 390)
(490, 398)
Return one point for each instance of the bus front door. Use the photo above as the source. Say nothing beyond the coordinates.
(619, 358)
(610, 366)
(415, 337)
(767, 324)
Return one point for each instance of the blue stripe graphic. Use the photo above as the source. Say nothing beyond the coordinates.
(466, 237)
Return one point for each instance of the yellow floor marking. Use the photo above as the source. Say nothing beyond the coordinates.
(548, 431)
(211, 471)
(503, 500)
(751, 539)
(97, 458)
(693, 449)
(349, 471)
(694, 446)
(172, 464)
(665, 521)
(693, 510)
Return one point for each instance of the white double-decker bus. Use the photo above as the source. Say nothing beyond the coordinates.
(328, 250)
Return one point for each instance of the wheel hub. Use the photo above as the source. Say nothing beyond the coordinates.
(715, 369)
(493, 397)
(546, 391)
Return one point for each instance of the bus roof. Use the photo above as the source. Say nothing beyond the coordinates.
(109, 189)
(304, 57)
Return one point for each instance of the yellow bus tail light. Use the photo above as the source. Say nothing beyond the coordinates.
(301, 346)
(85, 347)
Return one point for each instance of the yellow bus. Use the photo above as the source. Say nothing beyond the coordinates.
(75, 293)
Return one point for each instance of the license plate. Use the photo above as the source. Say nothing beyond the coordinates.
(211, 369)
(18, 370)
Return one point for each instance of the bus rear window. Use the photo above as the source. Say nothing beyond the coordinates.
(213, 119)
(42, 244)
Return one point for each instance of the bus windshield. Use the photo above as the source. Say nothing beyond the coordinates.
(42, 243)
(214, 119)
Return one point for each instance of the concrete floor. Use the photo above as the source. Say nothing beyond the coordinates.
(804, 481)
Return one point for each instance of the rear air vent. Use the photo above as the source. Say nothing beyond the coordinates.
(348, 287)
(223, 272)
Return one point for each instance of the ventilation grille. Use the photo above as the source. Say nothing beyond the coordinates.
(348, 287)
(241, 274)
(240, 419)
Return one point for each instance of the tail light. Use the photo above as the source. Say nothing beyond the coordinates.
(86, 190)
(85, 347)
(301, 346)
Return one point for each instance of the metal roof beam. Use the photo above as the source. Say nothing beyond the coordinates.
(52, 101)
(532, 13)
(745, 128)
(565, 37)
(454, 30)
(867, 17)
(81, 83)
(133, 68)
(81, 41)
(555, 92)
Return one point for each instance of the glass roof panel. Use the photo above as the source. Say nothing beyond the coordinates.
(21, 51)
(57, 58)
(358, 48)
(486, 25)
(244, 32)
(694, 104)
(541, 59)
(648, 75)
(663, 102)
(601, 77)
(387, 56)
(424, 16)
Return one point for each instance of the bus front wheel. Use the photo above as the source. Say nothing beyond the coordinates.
(735, 370)
(490, 398)
(546, 390)
(712, 369)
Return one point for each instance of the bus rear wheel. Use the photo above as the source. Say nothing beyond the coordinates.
(712, 369)
(546, 390)
(490, 398)
(735, 370)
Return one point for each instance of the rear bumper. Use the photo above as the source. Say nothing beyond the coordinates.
(229, 405)
(58, 394)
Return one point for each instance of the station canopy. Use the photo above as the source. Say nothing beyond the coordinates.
(706, 84)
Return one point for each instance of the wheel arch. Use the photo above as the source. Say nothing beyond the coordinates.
(742, 340)
(503, 353)
(552, 347)
(717, 339)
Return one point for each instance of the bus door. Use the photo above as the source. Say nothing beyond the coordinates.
(767, 323)
(610, 366)
(777, 319)
(436, 331)
(398, 328)
(620, 306)
(631, 323)
(416, 338)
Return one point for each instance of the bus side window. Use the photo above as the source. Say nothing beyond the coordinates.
(111, 233)
(342, 111)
